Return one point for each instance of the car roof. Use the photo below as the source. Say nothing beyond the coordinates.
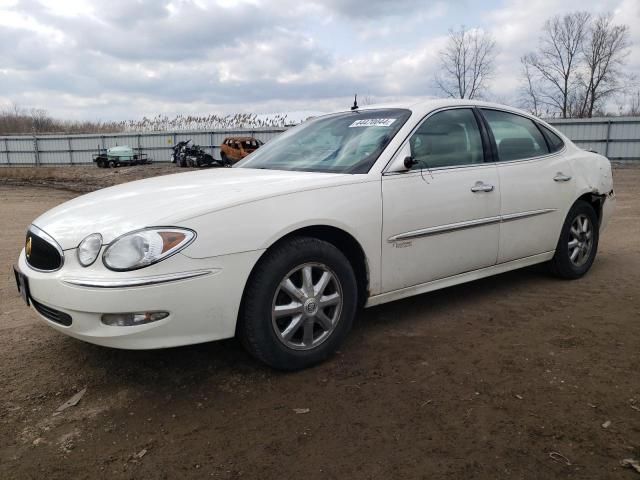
(241, 139)
(424, 106)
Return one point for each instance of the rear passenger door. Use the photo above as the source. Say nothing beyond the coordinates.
(535, 181)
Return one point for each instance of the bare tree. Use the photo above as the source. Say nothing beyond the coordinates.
(557, 60)
(530, 97)
(604, 52)
(467, 63)
(634, 105)
(630, 105)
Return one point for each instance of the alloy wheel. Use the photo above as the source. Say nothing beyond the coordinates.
(580, 240)
(306, 306)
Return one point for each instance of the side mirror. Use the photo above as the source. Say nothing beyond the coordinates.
(409, 162)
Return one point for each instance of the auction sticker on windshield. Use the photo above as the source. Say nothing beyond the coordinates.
(373, 122)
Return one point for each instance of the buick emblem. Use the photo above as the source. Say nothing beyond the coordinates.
(27, 247)
(311, 307)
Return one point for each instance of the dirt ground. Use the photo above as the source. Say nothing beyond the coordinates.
(82, 178)
(516, 376)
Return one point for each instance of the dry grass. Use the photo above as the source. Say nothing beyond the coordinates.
(17, 120)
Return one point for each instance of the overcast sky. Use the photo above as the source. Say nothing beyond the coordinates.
(121, 59)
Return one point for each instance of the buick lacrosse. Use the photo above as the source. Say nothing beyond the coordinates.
(347, 210)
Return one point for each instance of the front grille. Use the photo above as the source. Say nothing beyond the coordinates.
(42, 252)
(52, 314)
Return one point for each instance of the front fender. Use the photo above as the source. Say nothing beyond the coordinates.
(355, 208)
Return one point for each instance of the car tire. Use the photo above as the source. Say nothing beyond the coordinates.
(578, 242)
(225, 160)
(112, 164)
(295, 331)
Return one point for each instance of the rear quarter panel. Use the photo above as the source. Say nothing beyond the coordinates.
(592, 173)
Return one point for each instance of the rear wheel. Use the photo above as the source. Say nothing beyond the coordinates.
(112, 164)
(578, 243)
(298, 305)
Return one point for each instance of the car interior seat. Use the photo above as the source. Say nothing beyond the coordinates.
(514, 148)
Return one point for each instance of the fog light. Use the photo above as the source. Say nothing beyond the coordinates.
(132, 319)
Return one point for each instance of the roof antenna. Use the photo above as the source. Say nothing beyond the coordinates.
(355, 103)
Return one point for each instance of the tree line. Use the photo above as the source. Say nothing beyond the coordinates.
(575, 70)
(18, 120)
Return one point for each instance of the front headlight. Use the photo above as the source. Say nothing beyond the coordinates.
(145, 247)
(89, 249)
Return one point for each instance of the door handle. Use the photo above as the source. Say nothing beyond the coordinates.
(561, 177)
(482, 187)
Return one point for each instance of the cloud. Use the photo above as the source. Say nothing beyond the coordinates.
(127, 58)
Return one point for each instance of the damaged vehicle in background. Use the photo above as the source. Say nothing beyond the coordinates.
(234, 149)
(185, 155)
(351, 209)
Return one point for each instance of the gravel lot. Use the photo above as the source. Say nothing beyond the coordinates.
(508, 377)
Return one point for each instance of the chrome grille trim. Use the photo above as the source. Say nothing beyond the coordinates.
(38, 232)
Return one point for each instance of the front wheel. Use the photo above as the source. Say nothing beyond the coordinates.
(298, 305)
(578, 243)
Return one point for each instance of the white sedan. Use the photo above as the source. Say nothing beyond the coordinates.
(351, 209)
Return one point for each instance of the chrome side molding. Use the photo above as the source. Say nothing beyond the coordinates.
(531, 213)
(135, 282)
(452, 227)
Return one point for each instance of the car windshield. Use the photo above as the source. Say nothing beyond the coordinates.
(348, 142)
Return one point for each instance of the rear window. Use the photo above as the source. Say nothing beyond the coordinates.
(555, 142)
(516, 137)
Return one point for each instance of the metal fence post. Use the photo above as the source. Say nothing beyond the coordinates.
(6, 149)
(175, 140)
(35, 150)
(606, 147)
(70, 151)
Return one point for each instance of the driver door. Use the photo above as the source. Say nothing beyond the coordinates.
(441, 217)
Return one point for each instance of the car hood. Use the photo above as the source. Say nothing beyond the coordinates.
(170, 199)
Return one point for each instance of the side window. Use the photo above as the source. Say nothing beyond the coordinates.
(555, 142)
(446, 139)
(516, 137)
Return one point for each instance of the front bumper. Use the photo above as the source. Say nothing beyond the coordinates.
(201, 308)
